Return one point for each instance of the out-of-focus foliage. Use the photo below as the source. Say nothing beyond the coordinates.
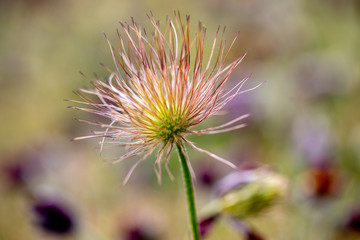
(305, 119)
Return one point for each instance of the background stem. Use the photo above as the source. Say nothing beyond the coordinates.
(189, 194)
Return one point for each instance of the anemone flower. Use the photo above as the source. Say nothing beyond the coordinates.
(160, 89)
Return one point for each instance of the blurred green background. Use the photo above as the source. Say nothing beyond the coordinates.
(305, 119)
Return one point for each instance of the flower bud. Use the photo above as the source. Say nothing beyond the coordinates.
(248, 193)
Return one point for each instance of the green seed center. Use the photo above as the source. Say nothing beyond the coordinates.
(170, 128)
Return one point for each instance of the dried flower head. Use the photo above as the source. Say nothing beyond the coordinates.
(158, 93)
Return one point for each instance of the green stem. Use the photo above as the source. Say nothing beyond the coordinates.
(189, 194)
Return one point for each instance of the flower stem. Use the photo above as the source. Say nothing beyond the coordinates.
(189, 194)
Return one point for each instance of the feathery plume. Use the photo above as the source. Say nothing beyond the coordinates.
(156, 94)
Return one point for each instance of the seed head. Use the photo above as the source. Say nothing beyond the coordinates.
(161, 88)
